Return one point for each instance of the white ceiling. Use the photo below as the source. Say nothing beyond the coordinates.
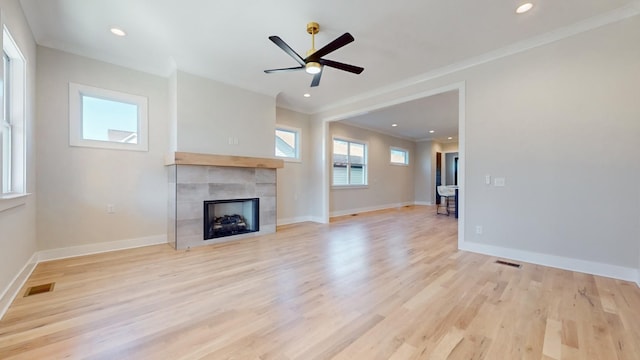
(228, 40)
(437, 113)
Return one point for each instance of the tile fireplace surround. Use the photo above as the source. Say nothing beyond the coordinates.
(195, 178)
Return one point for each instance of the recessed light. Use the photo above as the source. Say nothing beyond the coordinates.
(394, 125)
(524, 8)
(118, 32)
(431, 131)
(449, 138)
(307, 95)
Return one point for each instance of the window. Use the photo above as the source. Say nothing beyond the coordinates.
(6, 127)
(288, 143)
(349, 163)
(12, 150)
(399, 156)
(107, 119)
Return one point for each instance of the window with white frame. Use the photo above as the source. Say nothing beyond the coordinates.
(288, 143)
(107, 119)
(399, 156)
(349, 162)
(12, 141)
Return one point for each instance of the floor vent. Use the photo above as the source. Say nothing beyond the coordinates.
(39, 289)
(502, 262)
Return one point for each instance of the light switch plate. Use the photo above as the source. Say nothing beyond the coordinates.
(499, 181)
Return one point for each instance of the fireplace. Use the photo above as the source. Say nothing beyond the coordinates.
(195, 178)
(231, 217)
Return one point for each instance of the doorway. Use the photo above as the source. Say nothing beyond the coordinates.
(354, 109)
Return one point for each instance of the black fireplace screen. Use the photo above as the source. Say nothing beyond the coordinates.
(231, 217)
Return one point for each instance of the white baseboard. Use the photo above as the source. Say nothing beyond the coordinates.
(318, 219)
(300, 219)
(370, 208)
(294, 220)
(424, 203)
(72, 251)
(11, 291)
(560, 262)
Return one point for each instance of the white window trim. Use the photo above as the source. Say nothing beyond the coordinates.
(399, 149)
(366, 163)
(17, 120)
(349, 187)
(8, 201)
(298, 131)
(76, 91)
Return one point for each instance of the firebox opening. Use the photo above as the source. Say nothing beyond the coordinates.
(231, 217)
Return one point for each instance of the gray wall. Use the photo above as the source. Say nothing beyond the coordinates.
(294, 179)
(423, 175)
(209, 113)
(389, 185)
(77, 183)
(556, 121)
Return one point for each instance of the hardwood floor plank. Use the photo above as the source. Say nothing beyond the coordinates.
(383, 285)
(552, 346)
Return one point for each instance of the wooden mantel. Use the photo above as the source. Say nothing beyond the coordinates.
(186, 158)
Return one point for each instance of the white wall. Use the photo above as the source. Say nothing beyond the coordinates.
(293, 180)
(18, 224)
(556, 121)
(209, 113)
(76, 184)
(389, 185)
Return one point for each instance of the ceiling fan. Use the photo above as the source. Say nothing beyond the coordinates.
(314, 62)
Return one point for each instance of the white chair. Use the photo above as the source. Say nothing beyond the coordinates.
(447, 199)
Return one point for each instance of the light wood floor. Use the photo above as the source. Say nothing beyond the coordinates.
(385, 285)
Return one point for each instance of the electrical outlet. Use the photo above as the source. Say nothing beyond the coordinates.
(499, 181)
(487, 179)
(479, 229)
(111, 209)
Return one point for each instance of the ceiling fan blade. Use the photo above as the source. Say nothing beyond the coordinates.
(316, 79)
(336, 44)
(283, 45)
(271, 71)
(341, 66)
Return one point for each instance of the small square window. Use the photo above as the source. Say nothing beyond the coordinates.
(399, 156)
(288, 143)
(107, 119)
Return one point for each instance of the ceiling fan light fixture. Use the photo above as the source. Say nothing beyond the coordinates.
(312, 67)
